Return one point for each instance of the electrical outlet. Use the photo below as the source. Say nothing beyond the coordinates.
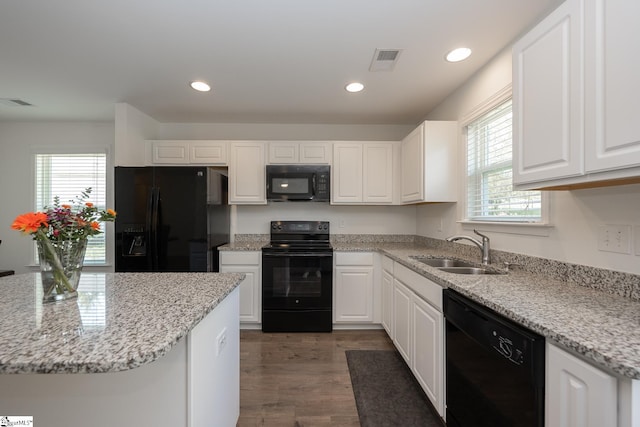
(343, 223)
(221, 341)
(614, 238)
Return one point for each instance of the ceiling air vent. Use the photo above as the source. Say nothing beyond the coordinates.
(13, 102)
(384, 59)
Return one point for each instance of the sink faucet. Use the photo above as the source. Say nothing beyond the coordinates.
(484, 246)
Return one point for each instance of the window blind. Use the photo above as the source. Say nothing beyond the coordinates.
(66, 176)
(490, 195)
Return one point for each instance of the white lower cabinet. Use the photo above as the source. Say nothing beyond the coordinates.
(402, 320)
(250, 263)
(418, 330)
(353, 287)
(577, 393)
(428, 338)
(387, 295)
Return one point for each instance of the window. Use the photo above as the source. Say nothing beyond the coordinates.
(490, 194)
(66, 176)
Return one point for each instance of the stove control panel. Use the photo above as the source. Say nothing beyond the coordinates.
(300, 227)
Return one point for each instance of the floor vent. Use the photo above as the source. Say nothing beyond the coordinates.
(384, 59)
(14, 102)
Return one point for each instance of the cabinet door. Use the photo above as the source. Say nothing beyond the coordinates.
(347, 173)
(578, 394)
(248, 262)
(428, 351)
(412, 160)
(247, 180)
(402, 320)
(250, 291)
(170, 152)
(378, 173)
(613, 133)
(208, 152)
(354, 294)
(387, 302)
(548, 98)
(283, 153)
(315, 153)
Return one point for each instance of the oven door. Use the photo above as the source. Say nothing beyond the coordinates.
(297, 281)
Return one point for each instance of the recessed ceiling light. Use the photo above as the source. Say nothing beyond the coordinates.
(354, 87)
(200, 86)
(458, 54)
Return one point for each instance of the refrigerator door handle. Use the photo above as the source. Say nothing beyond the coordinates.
(148, 232)
(152, 216)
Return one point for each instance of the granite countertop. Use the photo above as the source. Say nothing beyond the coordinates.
(600, 326)
(119, 321)
(251, 245)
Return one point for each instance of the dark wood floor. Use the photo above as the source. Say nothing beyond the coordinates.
(300, 379)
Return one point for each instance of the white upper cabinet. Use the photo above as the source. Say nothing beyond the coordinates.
(613, 97)
(287, 152)
(429, 163)
(208, 152)
(247, 180)
(548, 98)
(575, 112)
(346, 179)
(362, 173)
(177, 152)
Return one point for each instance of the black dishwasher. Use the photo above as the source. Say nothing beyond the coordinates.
(494, 368)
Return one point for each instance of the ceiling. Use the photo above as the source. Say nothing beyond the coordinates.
(268, 61)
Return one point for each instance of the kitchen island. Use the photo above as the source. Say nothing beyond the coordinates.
(132, 349)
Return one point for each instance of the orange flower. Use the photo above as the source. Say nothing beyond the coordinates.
(89, 204)
(66, 207)
(111, 212)
(95, 225)
(30, 222)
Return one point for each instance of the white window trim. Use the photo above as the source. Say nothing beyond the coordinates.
(109, 227)
(541, 228)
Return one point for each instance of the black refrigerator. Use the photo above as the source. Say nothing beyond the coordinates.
(170, 219)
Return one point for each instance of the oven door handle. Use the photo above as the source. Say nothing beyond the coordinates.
(290, 255)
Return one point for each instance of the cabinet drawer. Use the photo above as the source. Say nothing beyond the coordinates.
(354, 258)
(387, 264)
(423, 287)
(240, 258)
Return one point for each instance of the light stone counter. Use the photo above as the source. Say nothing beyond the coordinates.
(591, 311)
(118, 322)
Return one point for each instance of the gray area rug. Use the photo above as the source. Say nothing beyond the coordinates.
(386, 392)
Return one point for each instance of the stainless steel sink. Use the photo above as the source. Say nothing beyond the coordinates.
(469, 270)
(444, 262)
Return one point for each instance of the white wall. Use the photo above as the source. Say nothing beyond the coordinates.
(343, 219)
(18, 143)
(265, 131)
(575, 215)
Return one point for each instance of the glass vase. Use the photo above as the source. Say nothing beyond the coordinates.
(60, 267)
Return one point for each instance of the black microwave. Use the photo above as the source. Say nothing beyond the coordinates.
(309, 183)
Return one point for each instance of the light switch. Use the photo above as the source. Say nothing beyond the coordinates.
(614, 238)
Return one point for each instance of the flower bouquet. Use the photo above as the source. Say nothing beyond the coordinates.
(61, 233)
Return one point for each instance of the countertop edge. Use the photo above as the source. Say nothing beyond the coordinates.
(134, 359)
